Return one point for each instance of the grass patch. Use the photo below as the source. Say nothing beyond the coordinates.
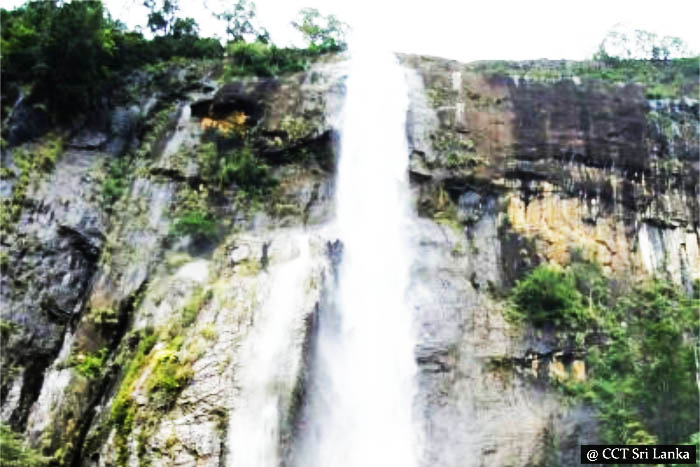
(267, 60)
(199, 224)
(115, 182)
(123, 411)
(170, 371)
(16, 453)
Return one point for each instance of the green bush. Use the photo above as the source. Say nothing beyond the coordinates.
(114, 184)
(200, 224)
(90, 365)
(641, 373)
(239, 166)
(549, 296)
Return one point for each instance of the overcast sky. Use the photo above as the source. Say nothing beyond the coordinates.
(467, 29)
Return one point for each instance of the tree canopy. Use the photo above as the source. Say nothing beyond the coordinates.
(69, 56)
(320, 30)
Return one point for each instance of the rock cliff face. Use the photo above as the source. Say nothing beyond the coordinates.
(515, 173)
(125, 341)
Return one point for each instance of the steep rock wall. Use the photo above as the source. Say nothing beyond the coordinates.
(510, 173)
(85, 279)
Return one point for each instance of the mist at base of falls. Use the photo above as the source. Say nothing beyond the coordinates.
(360, 401)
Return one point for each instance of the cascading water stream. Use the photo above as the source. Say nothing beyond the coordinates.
(361, 397)
(269, 368)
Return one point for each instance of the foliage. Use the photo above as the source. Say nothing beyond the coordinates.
(321, 31)
(123, 411)
(241, 24)
(169, 375)
(263, 59)
(90, 365)
(7, 328)
(48, 152)
(167, 368)
(241, 167)
(71, 55)
(58, 48)
(589, 280)
(664, 66)
(641, 372)
(194, 305)
(15, 453)
(200, 224)
(194, 216)
(661, 79)
(114, 184)
(30, 161)
(619, 44)
(162, 17)
(642, 381)
(548, 296)
(238, 166)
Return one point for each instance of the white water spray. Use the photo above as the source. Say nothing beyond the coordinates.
(269, 368)
(360, 412)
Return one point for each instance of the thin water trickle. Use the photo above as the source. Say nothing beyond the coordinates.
(361, 402)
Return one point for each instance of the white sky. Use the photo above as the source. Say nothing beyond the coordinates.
(463, 29)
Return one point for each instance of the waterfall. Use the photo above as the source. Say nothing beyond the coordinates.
(361, 397)
(268, 367)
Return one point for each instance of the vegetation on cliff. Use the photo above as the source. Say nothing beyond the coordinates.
(641, 349)
(663, 65)
(16, 453)
(68, 56)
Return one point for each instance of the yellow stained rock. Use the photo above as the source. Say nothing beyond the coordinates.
(234, 122)
(557, 370)
(557, 224)
(578, 370)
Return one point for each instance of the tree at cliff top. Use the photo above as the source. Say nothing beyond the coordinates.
(321, 31)
(69, 56)
(241, 23)
(620, 44)
(162, 18)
